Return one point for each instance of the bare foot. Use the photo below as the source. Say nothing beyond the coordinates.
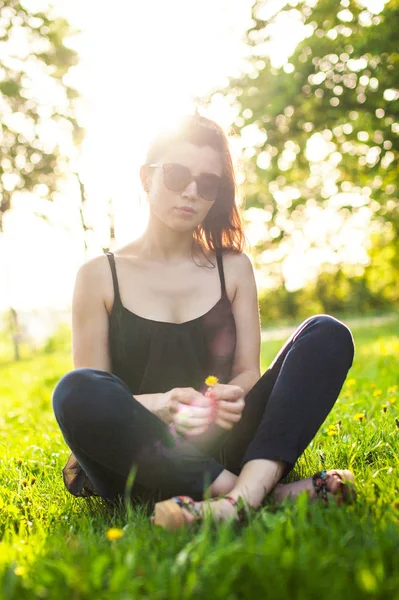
(335, 483)
(221, 510)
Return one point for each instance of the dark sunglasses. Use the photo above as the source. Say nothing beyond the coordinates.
(177, 177)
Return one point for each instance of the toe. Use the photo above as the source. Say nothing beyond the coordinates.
(334, 483)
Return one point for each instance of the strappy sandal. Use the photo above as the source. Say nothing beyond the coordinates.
(346, 493)
(169, 514)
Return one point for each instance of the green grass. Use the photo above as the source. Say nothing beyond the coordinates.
(55, 546)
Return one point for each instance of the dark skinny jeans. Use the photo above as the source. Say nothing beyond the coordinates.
(111, 433)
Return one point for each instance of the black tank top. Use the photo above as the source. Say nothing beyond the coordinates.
(156, 356)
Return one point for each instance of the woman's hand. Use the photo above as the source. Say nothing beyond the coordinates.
(190, 411)
(228, 404)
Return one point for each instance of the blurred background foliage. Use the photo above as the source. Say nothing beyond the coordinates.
(321, 155)
(39, 131)
(319, 136)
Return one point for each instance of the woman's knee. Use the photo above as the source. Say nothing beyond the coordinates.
(335, 333)
(71, 390)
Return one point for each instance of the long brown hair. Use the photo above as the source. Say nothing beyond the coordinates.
(222, 227)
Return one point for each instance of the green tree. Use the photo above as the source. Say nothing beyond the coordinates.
(38, 125)
(325, 124)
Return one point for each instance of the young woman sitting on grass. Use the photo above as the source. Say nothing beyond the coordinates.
(154, 319)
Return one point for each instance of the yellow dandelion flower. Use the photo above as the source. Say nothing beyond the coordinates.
(377, 393)
(384, 407)
(211, 380)
(351, 382)
(392, 400)
(373, 385)
(32, 481)
(20, 571)
(20, 461)
(114, 534)
(359, 417)
(24, 482)
(332, 430)
(392, 389)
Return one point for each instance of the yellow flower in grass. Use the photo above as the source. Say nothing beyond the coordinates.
(211, 380)
(332, 430)
(19, 571)
(359, 417)
(392, 389)
(114, 534)
(392, 400)
(377, 393)
(350, 382)
(384, 407)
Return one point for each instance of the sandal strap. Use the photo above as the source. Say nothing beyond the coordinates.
(242, 512)
(232, 501)
(187, 503)
(320, 485)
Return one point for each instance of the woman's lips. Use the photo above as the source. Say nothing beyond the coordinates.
(186, 210)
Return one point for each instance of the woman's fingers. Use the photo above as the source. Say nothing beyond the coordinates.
(189, 396)
(192, 419)
(225, 392)
(193, 412)
(190, 425)
(232, 407)
(229, 413)
(224, 424)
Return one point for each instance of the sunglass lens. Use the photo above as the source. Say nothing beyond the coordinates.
(176, 177)
(209, 186)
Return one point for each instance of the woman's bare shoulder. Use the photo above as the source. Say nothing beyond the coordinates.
(237, 269)
(100, 266)
(94, 280)
(93, 267)
(238, 262)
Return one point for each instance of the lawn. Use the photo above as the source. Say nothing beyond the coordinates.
(56, 546)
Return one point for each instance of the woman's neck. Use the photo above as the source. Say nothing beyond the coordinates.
(167, 245)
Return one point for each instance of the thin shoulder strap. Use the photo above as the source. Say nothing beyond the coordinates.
(221, 272)
(111, 259)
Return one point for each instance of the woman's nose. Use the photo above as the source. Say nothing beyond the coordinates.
(191, 191)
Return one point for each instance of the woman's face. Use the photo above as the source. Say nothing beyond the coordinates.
(166, 204)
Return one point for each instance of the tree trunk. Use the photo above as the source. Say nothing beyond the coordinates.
(15, 332)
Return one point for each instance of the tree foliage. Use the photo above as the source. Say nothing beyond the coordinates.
(37, 106)
(323, 128)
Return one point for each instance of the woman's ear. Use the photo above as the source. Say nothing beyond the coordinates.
(145, 176)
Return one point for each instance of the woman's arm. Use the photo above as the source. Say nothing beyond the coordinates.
(245, 307)
(90, 317)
